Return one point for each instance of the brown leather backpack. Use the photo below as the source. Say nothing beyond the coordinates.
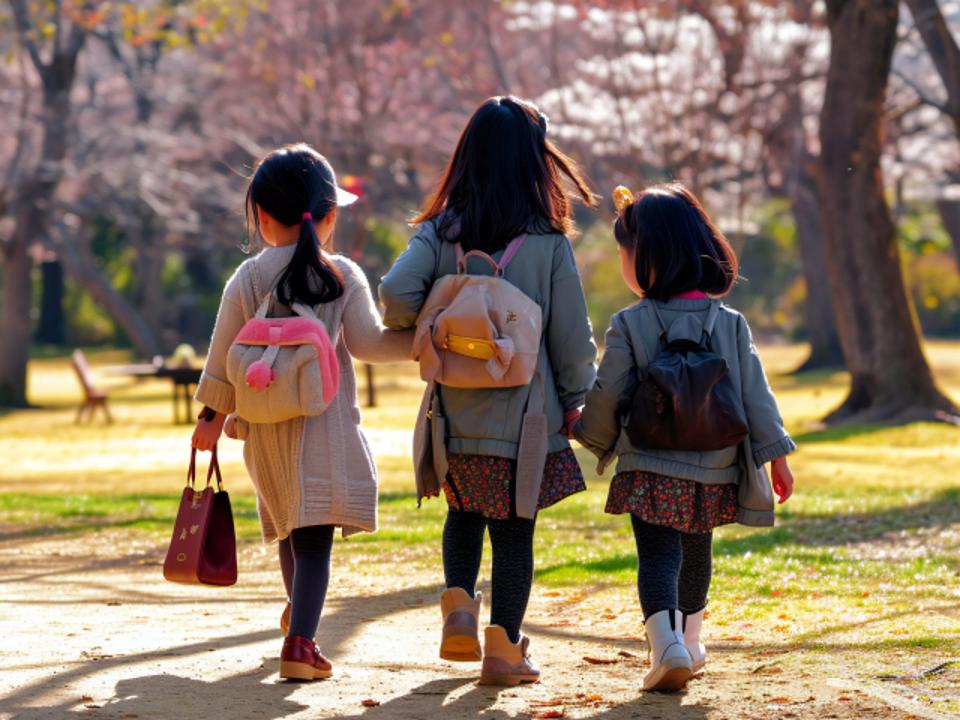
(686, 399)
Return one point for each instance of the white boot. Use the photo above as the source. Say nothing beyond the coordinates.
(692, 624)
(671, 664)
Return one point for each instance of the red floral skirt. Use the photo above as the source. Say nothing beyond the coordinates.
(684, 505)
(483, 483)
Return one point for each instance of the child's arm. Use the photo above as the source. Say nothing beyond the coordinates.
(569, 337)
(365, 335)
(599, 426)
(768, 436)
(214, 391)
(405, 287)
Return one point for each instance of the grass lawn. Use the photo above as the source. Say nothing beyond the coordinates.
(863, 565)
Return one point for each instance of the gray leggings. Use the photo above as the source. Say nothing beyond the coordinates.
(674, 568)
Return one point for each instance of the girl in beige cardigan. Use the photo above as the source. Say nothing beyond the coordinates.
(312, 474)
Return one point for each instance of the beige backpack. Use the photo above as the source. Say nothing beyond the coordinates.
(479, 331)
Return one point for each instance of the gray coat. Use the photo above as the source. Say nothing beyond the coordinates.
(632, 341)
(488, 422)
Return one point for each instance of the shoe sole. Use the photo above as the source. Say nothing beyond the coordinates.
(302, 671)
(461, 648)
(672, 679)
(504, 680)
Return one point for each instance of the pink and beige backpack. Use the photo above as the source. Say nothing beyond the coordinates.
(479, 331)
(282, 368)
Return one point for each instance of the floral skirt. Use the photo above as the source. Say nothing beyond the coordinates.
(684, 505)
(484, 483)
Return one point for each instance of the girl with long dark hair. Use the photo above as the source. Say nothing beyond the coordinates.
(505, 179)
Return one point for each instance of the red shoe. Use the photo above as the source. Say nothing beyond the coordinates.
(300, 660)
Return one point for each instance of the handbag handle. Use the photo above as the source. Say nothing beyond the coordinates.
(214, 468)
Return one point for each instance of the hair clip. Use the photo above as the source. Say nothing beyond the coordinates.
(622, 198)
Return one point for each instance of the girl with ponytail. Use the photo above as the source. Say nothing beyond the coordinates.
(312, 474)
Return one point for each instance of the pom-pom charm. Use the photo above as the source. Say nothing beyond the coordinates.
(260, 375)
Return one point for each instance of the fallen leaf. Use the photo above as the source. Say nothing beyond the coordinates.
(600, 661)
(548, 714)
(624, 653)
(781, 700)
(844, 698)
(370, 703)
(733, 638)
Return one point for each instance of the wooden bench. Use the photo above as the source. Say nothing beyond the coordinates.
(93, 396)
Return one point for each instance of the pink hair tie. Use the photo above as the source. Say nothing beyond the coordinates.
(308, 216)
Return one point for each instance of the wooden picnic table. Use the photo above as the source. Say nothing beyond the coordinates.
(183, 378)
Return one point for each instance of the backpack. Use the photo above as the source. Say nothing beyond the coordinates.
(479, 331)
(282, 368)
(686, 399)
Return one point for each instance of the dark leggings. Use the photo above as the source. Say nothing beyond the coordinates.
(305, 564)
(512, 542)
(674, 568)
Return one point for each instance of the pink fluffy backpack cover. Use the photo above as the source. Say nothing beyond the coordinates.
(282, 368)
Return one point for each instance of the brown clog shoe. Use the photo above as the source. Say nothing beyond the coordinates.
(285, 619)
(300, 660)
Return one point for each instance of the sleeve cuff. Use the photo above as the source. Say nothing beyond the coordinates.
(783, 446)
(215, 393)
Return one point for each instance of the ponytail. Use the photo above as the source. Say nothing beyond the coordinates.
(310, 278)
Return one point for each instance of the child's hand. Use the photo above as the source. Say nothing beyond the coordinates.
(207, 432)
(230, 426)
(605, 461)
(570, 420)
(782, 479)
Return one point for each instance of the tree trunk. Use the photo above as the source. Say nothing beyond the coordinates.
(819, 315)
(15, 318)
(80, 263)
(50, 329)
(943, 50)
(890, 378)
(950, 216)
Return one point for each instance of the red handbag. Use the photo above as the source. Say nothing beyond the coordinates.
(203, 549)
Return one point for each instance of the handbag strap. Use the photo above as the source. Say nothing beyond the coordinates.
(213, 468)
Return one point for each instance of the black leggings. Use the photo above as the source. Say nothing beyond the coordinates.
(674, 568)
(305, 564)
(512, 542)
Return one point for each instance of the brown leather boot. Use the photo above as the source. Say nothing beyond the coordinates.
(301, 660)
(285, 620)
(504, 662)
(460, 642)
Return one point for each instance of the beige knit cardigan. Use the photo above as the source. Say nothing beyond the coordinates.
(309, 470)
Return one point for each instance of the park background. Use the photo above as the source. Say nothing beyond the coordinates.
(822, 136)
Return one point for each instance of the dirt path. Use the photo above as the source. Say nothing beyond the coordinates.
(89, 628)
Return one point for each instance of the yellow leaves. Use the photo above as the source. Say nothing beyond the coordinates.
(48, 30)
(446, 38)
(306, 79)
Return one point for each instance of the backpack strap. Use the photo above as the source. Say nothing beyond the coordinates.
(513, 247)
(711, 321)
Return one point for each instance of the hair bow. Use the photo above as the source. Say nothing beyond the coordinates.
(622, 198)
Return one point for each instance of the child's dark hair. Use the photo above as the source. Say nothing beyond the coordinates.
(290, 183)
(503, 174)
(676, 246)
